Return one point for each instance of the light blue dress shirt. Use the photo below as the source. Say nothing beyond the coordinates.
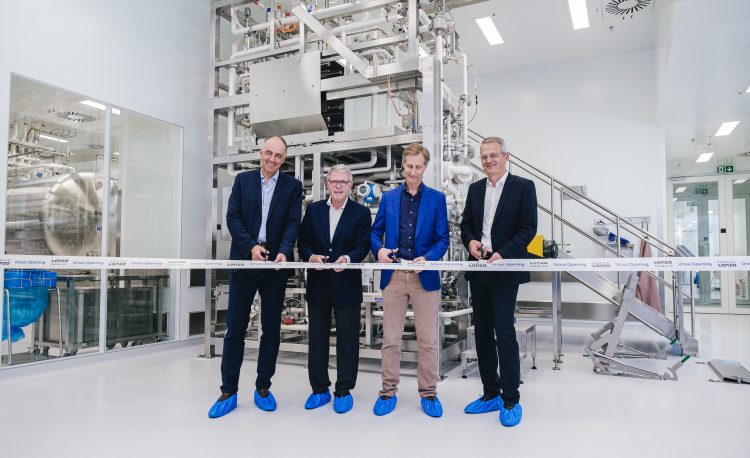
(267, 187)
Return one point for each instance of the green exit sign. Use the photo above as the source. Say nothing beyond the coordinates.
(725, 169)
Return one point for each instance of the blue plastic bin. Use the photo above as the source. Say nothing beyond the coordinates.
(28, 293)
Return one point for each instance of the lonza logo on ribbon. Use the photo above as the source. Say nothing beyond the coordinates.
(734, 263)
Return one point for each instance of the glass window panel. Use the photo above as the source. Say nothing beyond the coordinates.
(740, 214)
(696, 226)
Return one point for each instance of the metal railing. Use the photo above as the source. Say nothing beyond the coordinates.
(621, 223)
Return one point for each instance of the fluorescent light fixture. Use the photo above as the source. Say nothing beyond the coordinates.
(704, 157)
(680, 189)
(489, 30)
(99, 106)
(740, 181)
(579, 14)
(47, 137)
(726, 128)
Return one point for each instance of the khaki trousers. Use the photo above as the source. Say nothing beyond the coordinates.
(403, 287)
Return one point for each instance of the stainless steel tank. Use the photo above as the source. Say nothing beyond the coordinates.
(60, 215)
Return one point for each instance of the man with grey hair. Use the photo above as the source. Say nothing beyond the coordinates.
(334, 230)
(499, 222)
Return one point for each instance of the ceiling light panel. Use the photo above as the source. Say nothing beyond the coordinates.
(54, 139)
(704, 157)
(578, 14)
(99, 106)
(726, 128)
(487, 25)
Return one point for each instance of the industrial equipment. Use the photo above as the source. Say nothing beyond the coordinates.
(349, 83)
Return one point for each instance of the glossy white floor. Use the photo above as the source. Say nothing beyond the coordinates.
(154, 403)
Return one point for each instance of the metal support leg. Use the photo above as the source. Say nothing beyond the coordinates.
(10, 344)
(556, 319)
(368, 325)
(59, 321)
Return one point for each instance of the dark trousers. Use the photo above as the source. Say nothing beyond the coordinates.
(494, 305)
(243, 285)
(347, 346)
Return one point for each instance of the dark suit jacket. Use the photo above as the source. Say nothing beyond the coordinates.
(431, 239)
(283, 220)
(352, 238)
(513, 227)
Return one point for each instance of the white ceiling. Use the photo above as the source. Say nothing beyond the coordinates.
(705, 83)
(708, 61)
(539, 33)
(38, 103)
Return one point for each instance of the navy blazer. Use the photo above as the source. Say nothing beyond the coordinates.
(283, 220)
(431, 239)
(513, 227)
(350, 239)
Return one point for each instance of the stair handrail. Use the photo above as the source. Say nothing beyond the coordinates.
(591, 204)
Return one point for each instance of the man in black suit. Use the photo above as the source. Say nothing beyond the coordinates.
(335, 230)
(263, 217)
(499, 222)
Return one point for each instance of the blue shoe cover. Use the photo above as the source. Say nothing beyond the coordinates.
(221, 408)
(316, 400)
(268, 403)
(432, 407)
(343, 404)
(384, 406)
(480, 406)
(511, 417)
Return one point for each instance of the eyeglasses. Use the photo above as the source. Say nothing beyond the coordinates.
(492, 156)
(339, 183)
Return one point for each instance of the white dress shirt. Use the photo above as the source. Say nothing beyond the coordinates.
(267, 188)
(491, 199)
(334, 216)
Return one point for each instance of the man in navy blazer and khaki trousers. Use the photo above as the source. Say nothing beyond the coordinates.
(334, 230)
(499, 222)
(413, 218)
(263, 217)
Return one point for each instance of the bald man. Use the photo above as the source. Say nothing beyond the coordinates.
(263, 217)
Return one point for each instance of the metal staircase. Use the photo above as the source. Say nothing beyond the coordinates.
(606, 350)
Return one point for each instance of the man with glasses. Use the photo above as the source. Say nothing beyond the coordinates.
(263, 217)
(413, 219)
(499, 222)
(335, 230)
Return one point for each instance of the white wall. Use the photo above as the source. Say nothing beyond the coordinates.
(149, 57)
(589, 123)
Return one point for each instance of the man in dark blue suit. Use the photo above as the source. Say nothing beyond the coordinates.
(499, 222)
(335, 230)
(414, 220)
(263, 217)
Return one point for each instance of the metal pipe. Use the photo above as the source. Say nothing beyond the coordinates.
(385, 168)
(692, 305)
(59, 321)
(619, 255)
(361, 165)
(230, 111)
(249, 52)
(551, 208)
(465, 119)
(562, 219)
(52, 166)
